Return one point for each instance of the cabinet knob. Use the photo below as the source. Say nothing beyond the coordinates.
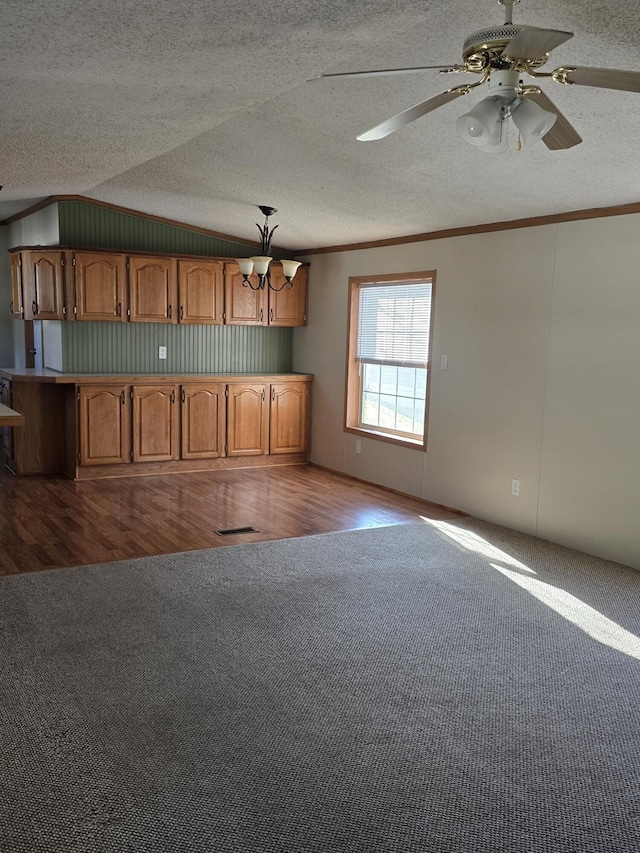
(34, 307)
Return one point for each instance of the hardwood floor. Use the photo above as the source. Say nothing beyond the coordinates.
(48, 522)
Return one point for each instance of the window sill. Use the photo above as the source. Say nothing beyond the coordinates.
(414, 444)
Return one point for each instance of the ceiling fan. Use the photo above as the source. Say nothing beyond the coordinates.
(501, 55)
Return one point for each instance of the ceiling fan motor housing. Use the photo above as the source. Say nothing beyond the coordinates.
(490, 39)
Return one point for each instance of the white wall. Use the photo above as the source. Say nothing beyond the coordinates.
(542, 331)
(38, 229)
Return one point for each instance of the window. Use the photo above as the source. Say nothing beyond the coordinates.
(390, 324)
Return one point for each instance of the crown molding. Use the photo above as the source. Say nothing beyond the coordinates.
(507, 225)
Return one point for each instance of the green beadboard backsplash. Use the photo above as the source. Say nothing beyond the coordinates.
(133, 348)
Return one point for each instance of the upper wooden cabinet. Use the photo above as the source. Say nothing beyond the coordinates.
(288, 306)
(244, 306)
(100, 286)
(56, 284)
(265, 307)
(153, 289)
(43, 284)
(200, 288)
(17, 299)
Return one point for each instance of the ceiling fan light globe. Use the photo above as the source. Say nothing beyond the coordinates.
(480, 124)
(532, 121)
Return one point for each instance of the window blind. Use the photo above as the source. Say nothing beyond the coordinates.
(394, 323)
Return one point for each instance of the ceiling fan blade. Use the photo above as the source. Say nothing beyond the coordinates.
(385, 72)
(562, 134)
(396, 122)
(534, 42)
(605, 78)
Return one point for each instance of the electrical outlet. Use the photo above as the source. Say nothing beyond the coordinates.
(162, 352)
(358, 446)
(515, 488)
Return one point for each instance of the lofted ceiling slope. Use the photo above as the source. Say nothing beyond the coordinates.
(199, 111)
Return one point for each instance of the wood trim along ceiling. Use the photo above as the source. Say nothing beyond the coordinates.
(570, 216)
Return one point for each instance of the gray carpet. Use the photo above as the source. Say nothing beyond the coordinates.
(383, 691)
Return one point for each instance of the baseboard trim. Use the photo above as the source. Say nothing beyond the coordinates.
(389, 489)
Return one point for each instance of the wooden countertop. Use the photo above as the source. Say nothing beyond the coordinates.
(47, 375)
(9, 417)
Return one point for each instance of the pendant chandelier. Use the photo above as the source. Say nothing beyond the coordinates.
(260, 263)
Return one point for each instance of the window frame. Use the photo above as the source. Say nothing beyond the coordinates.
(353, 391)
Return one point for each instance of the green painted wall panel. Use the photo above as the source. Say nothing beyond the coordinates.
(133, 348)
(89, 226)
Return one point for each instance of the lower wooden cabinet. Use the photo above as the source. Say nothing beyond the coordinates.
(289, 417)
(203, 415)
(248, 420)
(6, 433)
(189, 424)
(104, 425)
(155, 423)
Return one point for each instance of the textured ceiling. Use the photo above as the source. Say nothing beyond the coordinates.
(198, 111)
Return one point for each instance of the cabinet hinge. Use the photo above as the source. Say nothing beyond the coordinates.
(131, 455)
(77, 395)
(224, 316)
(131, 393)
(75, 309)
(226, 392)
(64, 309)
(73, 262)
(78, 457)
(62, 262)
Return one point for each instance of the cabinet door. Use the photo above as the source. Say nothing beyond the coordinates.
(105, 424)
(243, 306)
(203, 421)
(290, 417)
(155, 423)
(43, 281)
(200, 287)
(153, 290)
(288, 306)
(247, 420)
(17, 301)
(6, 432)
(100, 286)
